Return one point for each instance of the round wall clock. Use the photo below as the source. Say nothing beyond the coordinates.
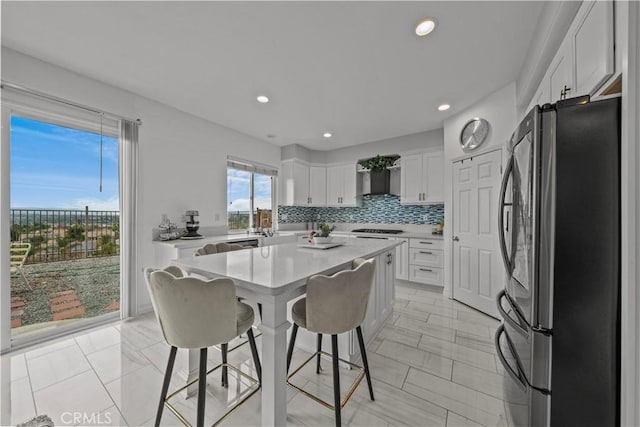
(474, 133)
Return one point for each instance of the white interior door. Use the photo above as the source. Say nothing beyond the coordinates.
(477, 267)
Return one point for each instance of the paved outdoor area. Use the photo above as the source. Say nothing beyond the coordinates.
(65, 290)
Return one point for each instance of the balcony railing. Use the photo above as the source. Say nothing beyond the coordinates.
(62, 234)
(239, 220)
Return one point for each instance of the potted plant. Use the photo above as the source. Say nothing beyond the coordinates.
(322, 236)
(378, 167)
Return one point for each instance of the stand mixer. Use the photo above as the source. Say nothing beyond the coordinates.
(192, 226)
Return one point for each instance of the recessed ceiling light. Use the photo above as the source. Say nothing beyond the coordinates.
(425, 27)
(444, 107)
(327, 135)
(262, 99)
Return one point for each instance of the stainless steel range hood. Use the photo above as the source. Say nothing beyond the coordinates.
(378, 183)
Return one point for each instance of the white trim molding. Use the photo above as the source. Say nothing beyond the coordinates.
(630, 223)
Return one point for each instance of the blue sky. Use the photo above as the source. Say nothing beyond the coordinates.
(58, 167)
(238, 191)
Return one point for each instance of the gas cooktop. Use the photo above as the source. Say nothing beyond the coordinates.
(376, 230)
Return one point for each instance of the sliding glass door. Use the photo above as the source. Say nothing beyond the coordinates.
(64, 224)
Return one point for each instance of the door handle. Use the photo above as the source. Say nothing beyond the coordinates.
(425, 252)
(503, 194)
(456, 239)
(425, 269)
(515, 374)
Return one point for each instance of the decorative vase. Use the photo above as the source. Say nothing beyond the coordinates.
(318, 239)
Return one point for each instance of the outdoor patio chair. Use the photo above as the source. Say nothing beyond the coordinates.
(19, 254)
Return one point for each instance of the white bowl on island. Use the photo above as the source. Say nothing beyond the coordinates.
(318, 239)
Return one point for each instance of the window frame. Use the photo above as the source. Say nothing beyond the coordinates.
(253, 168)
(47, 111)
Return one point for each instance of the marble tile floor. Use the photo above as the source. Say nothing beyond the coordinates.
(433, 364)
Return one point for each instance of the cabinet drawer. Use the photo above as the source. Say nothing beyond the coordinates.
(427, 275)
(428, 257)
(426, 243)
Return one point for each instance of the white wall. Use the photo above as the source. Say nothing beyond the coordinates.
(182, 158)
(406, 143)
(413, 142)
(499, 109)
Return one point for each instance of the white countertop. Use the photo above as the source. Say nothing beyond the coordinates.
(275, 269)
(404, 234)
(230, 238)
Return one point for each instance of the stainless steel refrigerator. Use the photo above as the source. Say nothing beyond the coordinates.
(559, 340)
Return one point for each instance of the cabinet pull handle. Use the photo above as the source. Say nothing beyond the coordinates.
(427, 243)
(425, 252)
(426, 269)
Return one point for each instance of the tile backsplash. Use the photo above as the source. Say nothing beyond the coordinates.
(380, 209)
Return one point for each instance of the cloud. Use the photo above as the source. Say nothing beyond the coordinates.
(238, 205)
(243, 204)
(96, 204)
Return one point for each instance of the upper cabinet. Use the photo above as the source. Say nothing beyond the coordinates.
(585, 59)
(302, 185)
(341, 185)
(560, 79)
(422, 178)
(317, 186)
(593, 46)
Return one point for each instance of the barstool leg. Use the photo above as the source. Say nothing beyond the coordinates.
(225, 377)
(165, 384)
(319, 349)
(254, 353)
(365, 363)
(202, 386)
(292, 343)
(336, 379)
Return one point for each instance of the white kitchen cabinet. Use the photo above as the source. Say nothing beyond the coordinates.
(561, 73)
(402, 260)
(585, 59)
(593, 49)
(426, 261)
(302, 184)
(317, 186)
(341, 185)
(542, 95)
(411, 179)
(433, 177)
(422, 178)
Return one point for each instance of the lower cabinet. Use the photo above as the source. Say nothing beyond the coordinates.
(421, 261)
(402, 260)
(378, 309)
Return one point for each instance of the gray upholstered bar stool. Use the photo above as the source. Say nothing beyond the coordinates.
(333, 305)
(197, 314)
(216, 248)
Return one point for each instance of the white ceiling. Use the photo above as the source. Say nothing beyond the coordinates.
(355, 69)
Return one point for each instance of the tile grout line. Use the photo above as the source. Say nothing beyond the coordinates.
(101, 383)
(33, 396)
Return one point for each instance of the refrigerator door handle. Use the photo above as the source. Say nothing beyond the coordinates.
(503, 195)
(516, 375)
(517, 326)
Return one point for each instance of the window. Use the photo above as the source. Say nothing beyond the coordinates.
(65, 208)
(249, 195)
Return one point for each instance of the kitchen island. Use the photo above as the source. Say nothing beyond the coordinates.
(276, 275)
